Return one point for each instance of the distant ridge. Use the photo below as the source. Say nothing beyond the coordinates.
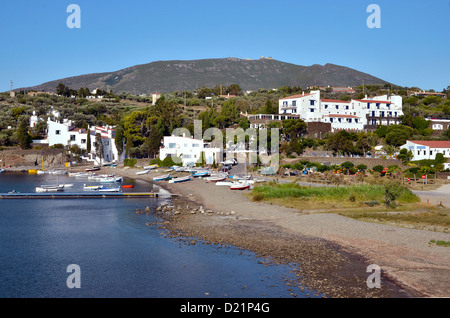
(178, 75)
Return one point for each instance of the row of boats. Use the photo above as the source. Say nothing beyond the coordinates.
(220, 179)
(103, 179)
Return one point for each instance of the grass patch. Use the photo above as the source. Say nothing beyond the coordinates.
(363, 202)
(352, 193)
(440, 243)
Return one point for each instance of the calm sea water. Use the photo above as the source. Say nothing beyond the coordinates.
(118, 254)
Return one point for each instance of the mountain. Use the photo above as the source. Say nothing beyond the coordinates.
(170, 76)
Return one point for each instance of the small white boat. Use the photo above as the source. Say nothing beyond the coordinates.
(69, 185)
(2, 170)
(143, 172)
(109, 190)
(94, 187)
(47, 188)
(178, 168)
(151, 167)
(200, 174)
(224, 183)
(240, 186)
(163, 178)
(180, 179)
(215, 178)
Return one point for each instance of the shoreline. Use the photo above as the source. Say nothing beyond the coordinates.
(332, 252)
(328, 253)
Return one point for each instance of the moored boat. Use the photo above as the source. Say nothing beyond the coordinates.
(109, 189)
(93, 187)
(143, 172)
(127, 186)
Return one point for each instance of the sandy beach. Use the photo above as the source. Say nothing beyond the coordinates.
(328, 252)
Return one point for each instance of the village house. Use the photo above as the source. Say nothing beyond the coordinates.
(66, 134)
(190, 150)
(427, 149)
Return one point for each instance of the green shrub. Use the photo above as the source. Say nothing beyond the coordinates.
(129, 162)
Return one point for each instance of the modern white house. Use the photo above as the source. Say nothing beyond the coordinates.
(355, 115)
(66, 134)
(189, 150)
(427, 149)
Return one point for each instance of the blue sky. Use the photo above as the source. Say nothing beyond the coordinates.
(412, 47)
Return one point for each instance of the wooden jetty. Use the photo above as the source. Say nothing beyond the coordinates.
(96, 195)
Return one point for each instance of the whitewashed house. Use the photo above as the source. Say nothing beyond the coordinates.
(427, 149)
(66, 134)
(355, 115)
(190, 150)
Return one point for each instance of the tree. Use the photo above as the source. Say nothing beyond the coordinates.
(23, 137)
(234, 89)
(396, 135)
(405, 155)
(88, 141)
(340, 142)
(269, 109)
(294, 128)
(119, 138)
(389, 149)
(99, 151)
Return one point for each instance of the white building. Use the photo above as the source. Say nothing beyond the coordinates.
(66, 134)
(355, 115)
(190, 150)
(427, 149)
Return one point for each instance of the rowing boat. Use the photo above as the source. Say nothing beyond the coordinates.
(239, 186)
(142, 172)
(163, 178)
(180, 179)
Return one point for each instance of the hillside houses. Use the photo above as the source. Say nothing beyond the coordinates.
(354, 115)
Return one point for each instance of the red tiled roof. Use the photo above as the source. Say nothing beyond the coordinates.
(296, 96)
(432, 143)
(334, 101)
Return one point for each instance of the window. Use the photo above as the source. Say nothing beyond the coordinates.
(337, 106)
(195, 145)
(326, 106)
(311, 110)
(172, 145)
(368, 105)
(294, 103)
(356, 120)
(431, 152)
(311, 102)
(83, 141)
(346, 107)
(58, 132)
(331, 120)
(72, 137)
